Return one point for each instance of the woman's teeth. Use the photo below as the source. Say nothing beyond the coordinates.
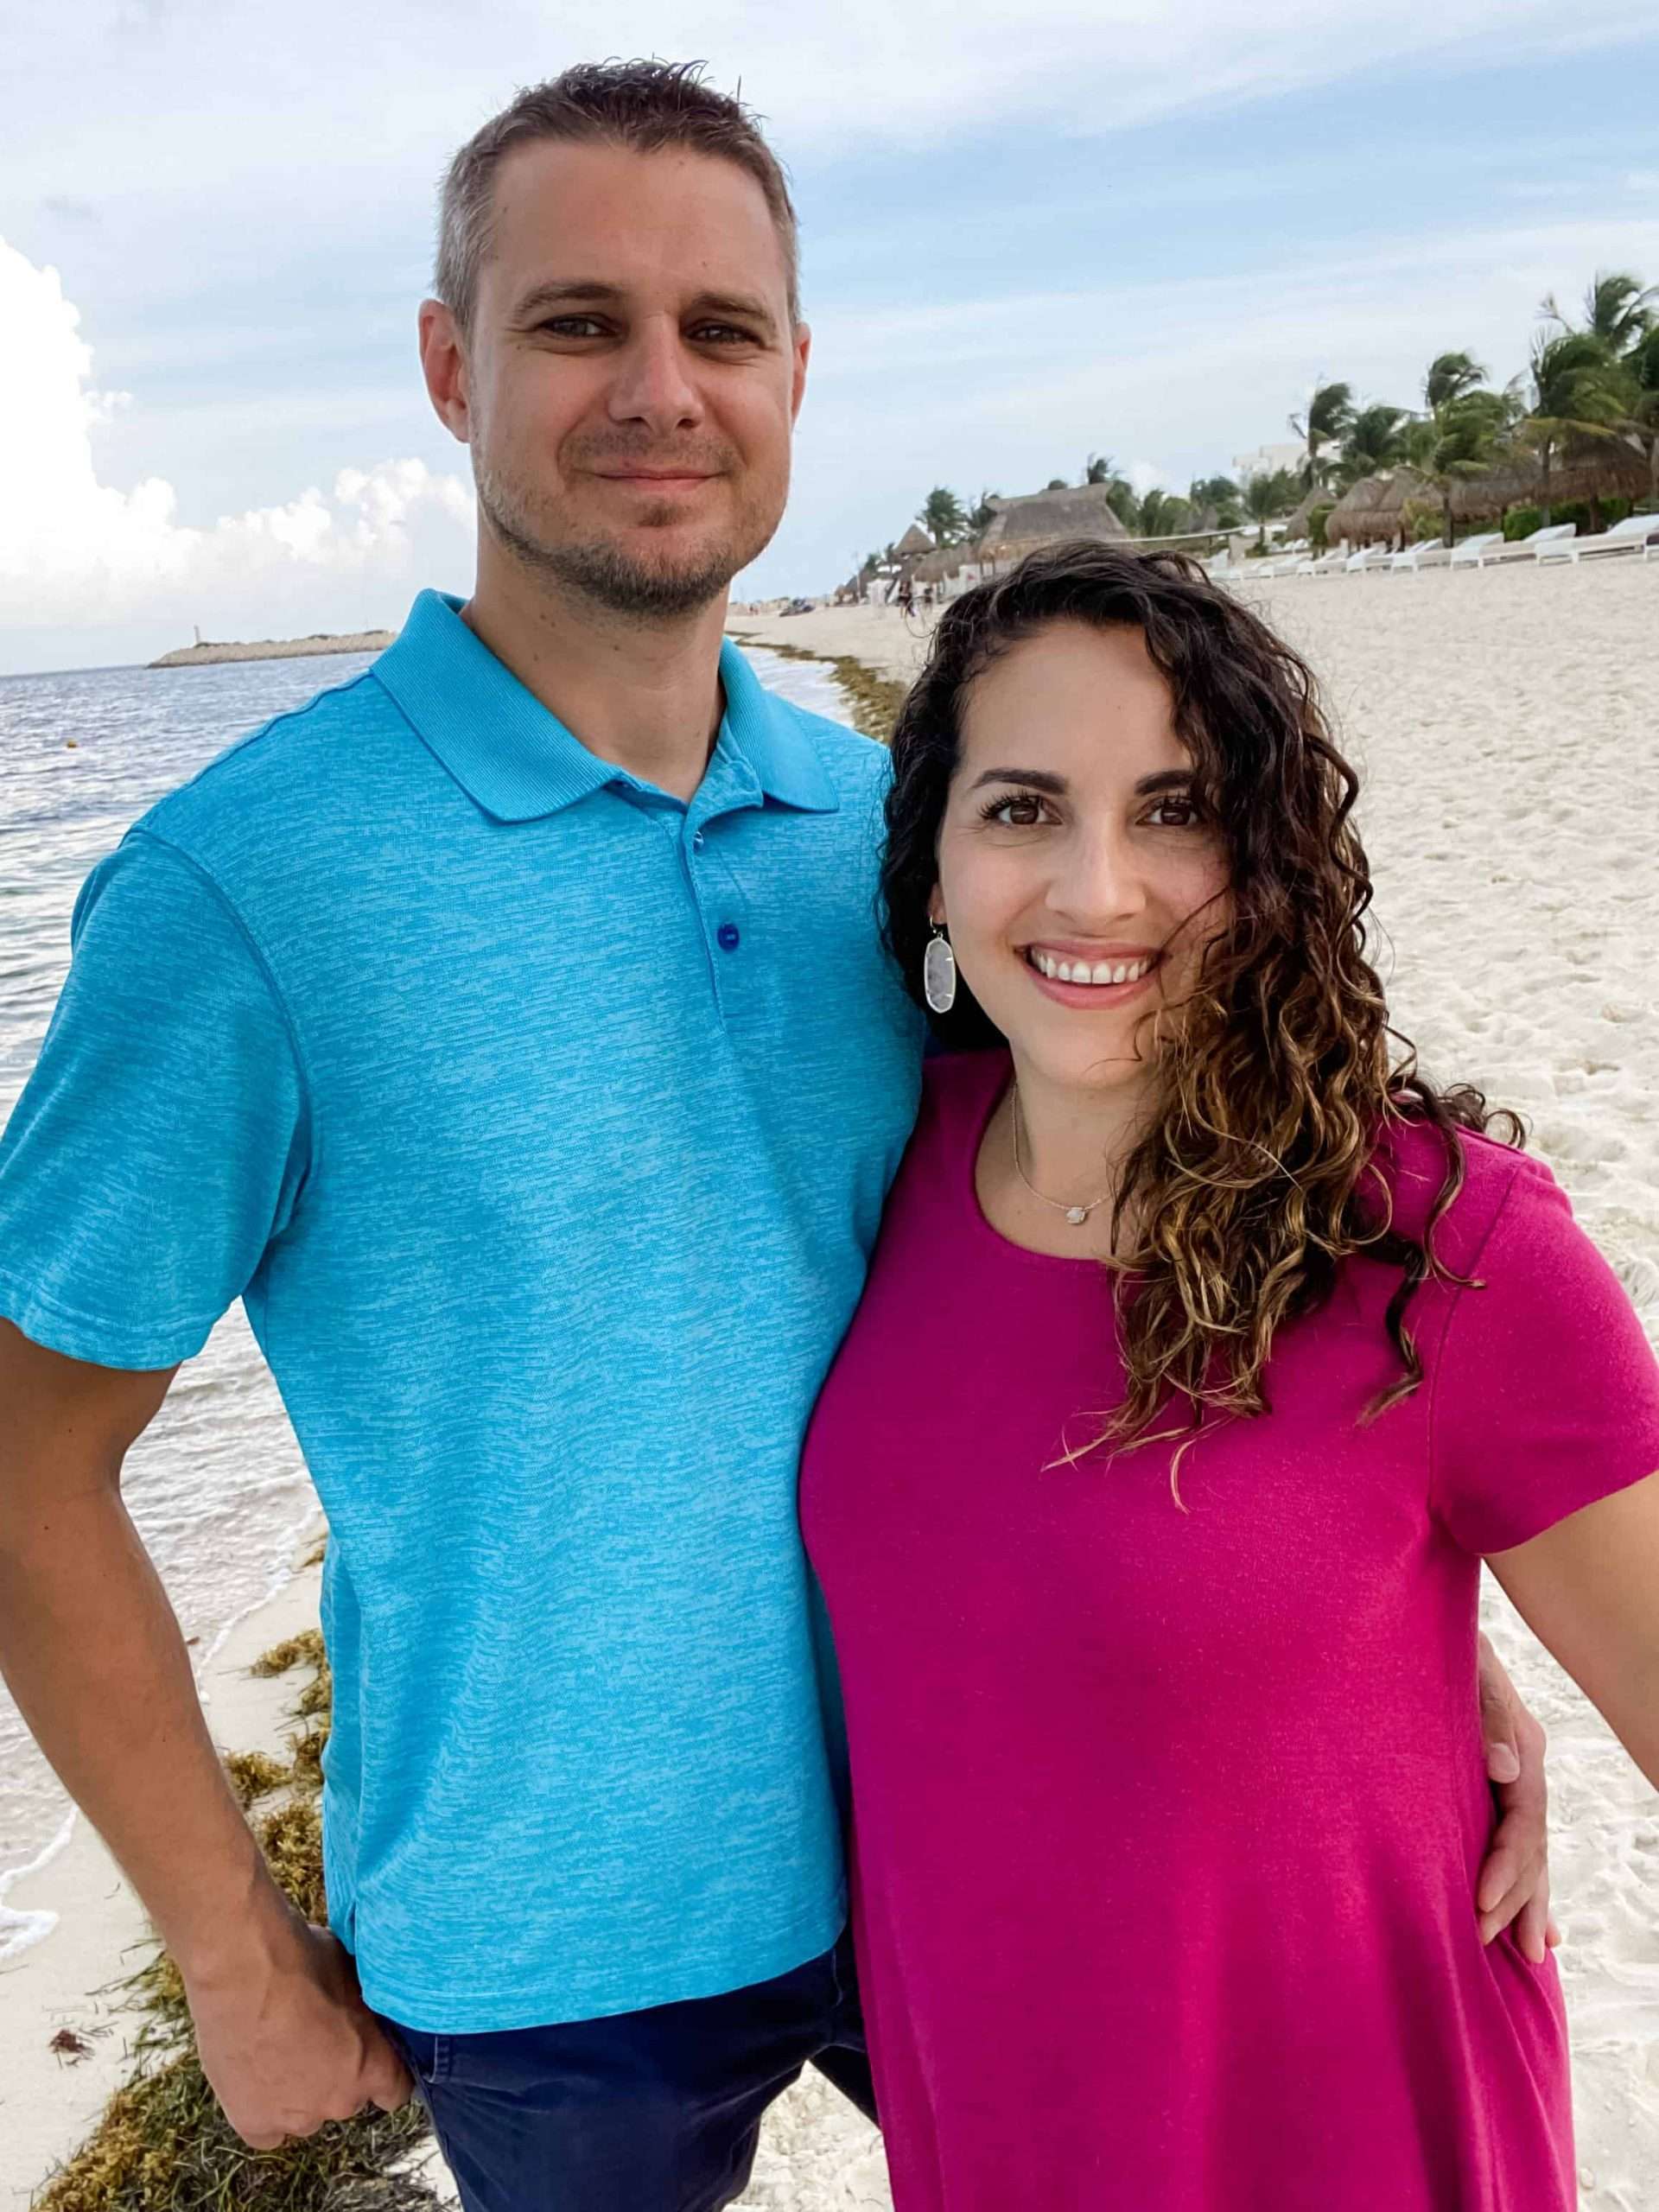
(1082, 971)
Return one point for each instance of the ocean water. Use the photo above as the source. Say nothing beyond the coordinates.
(216, 1485)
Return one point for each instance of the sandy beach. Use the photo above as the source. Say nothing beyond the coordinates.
(1504, 725)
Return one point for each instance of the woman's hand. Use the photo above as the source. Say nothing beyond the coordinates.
(1514, 1883)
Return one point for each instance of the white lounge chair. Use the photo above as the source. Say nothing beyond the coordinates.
(1636, 534)
(1368, 561)
(1527, 549)
(1469, 554)
(1432, 553)
(1326, 565)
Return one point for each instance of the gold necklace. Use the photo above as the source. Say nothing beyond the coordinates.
(1075, 1215)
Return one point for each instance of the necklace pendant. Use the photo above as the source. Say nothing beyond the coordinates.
(1076, 1216)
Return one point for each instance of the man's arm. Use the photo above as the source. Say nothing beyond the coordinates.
(92, 1651)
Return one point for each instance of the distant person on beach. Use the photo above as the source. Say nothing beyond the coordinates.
(510, 1030)
(1204, 1357)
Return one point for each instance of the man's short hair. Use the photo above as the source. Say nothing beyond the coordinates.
(647, 106)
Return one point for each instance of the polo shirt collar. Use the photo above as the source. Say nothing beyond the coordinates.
(517, 762)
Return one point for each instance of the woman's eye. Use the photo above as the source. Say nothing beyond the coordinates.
(1022, 813)
(1189, 806)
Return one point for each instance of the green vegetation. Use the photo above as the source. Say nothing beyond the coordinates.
(1591, 383)
(1330, 410)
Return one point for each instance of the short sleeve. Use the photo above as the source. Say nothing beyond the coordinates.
(1546, 1390)
(160, 1140)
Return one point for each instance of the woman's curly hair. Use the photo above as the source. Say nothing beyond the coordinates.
(1274, 1079)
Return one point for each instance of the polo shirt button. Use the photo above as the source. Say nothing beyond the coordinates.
(729, 937)
(696, 839)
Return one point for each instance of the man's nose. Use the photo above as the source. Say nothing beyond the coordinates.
(653, 383)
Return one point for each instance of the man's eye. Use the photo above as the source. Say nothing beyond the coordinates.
(566, 326)
(728, 333)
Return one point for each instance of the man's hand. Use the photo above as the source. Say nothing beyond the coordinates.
(285, 2039)
(1514, 1883)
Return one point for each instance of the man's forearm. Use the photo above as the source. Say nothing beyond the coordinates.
(92, 1651)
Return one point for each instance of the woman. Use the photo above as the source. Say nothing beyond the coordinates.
(1202, 1361)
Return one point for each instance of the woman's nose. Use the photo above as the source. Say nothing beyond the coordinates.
(1098, 882)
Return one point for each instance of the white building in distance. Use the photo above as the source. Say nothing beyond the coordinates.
(1266, 458)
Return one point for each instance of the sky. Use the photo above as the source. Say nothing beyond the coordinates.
(1098, 227)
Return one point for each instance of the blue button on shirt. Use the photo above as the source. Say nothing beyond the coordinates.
(407, 1022)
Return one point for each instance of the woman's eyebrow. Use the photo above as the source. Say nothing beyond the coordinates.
(1040, 779)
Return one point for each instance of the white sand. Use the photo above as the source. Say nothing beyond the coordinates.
(1507, 726)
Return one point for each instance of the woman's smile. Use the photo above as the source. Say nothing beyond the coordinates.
(1074, 978)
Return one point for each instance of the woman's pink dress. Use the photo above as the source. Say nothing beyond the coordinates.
(1167, 1825)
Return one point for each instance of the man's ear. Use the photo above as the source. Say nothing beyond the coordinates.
(443, 364)
(803, 348)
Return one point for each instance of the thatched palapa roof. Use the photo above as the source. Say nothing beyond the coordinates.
(933, 567)
(1042, 517)
(1350, 517)
(915, 540)
(1374, 509)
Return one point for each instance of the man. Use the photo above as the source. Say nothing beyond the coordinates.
(509, 1030)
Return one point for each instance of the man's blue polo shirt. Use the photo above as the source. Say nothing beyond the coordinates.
(542, 1122)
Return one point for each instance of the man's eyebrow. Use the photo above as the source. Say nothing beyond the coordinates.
(580, 292)
(577, 293)
(1040, 779)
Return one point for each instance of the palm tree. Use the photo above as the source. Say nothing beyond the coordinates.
(980, 519)
(1164, 514)
(1641, 365)
(942, 517)
(1216, 495)
(1329, 409)
(1450, 376)
(1574, 398)
(1375, 440)
(1618, 310)
(1268, 495)
(1099, 468)
(1461, 441)
(1459, 437)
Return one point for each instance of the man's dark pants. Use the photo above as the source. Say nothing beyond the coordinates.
(656, 2111)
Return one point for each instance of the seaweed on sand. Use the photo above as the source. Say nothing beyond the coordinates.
(874, 700)
(162, 2144)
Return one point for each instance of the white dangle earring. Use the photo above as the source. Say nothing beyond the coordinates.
(939, 972)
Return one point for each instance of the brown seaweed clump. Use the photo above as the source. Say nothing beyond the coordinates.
(162, 2144)
(874, 700)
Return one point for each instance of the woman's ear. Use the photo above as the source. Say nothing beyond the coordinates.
(936, 907)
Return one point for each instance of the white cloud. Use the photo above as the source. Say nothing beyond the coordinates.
(75, 552)
(247, 89)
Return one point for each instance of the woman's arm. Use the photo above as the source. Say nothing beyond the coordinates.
(1588, 1589)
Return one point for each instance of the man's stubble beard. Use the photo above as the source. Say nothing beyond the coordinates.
(601, 572)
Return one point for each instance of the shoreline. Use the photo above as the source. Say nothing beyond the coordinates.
(209, 655)
(64, 1988)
